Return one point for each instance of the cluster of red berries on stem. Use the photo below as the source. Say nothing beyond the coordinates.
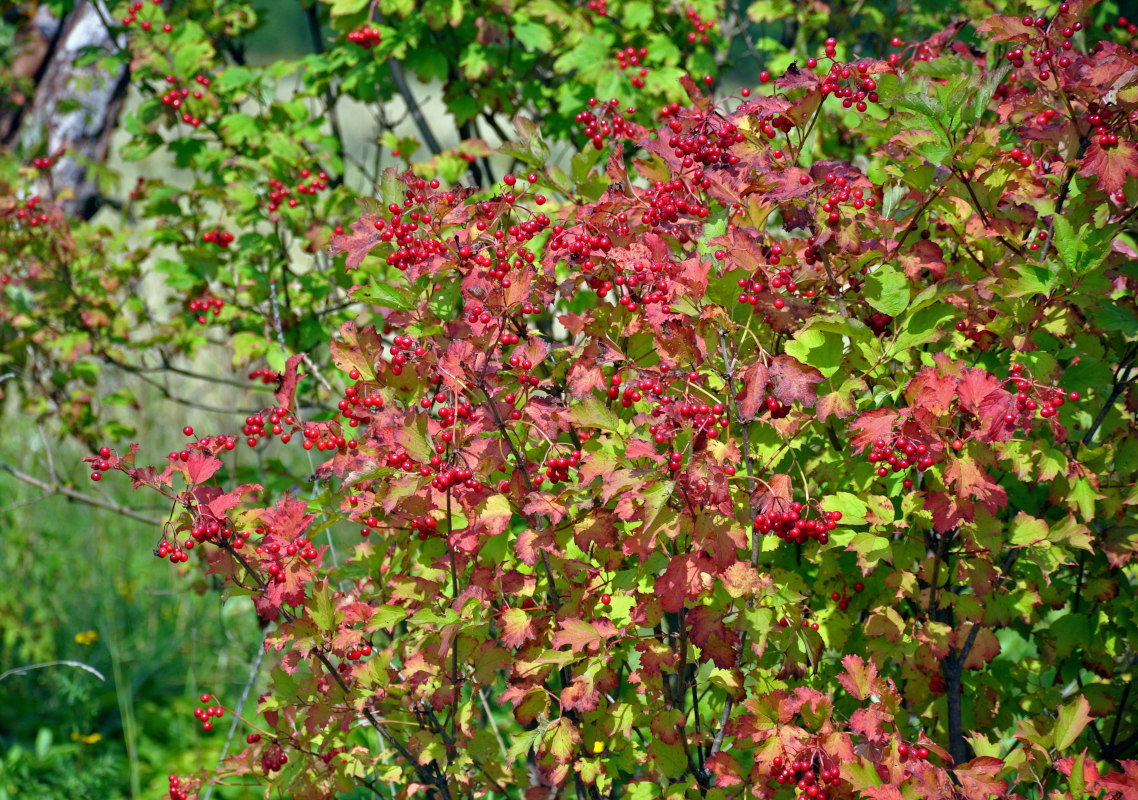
(206, 712)
(1123, 24)
(176, 790)
(204, 303)
(557, 468)
(633, 57)
(31, 213)
(219, 237)
(1034, 396)
(810, 781)
(607, 122)
(843, 599)
(175, 97)
(265, 375)
(701, 26)
(793, 525)
(599, 7)
(146, 24)
(852, 85)
(102, 465)
(900, 454)
(300, 546)
(42, 162)
(366, 37)
(278, 419)
(281, 193)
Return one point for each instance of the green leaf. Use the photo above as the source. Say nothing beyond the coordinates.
(637, 15)
(818, 348)
(1027, 530)
(853, 510)
(322, 609)
(887, 290)
(340, 8)
(592, 412)
(1072, 719)
(534, 36)
(388, 296)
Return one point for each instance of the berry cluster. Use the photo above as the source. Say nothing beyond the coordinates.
(176, 98)
(425, 527)
(273, 758)
(176, 790)
(278, 419)
(1034, 396)
(700, 26)
(557, 468)
(265, 375)
(100, 466)
(366, 37)
(219, 237)
(146, 24)
(843, 599)
(599, 7)
(280, 193)
(633, 57)
(698, 414)
(791, 525)
(301, 547)
(607, 122)
(1123, 24)
(708, 142)
(902, 453)
(206, 713)
(31, 214)
(811, 780)
(919, 51)
(203, 303)
(42, 162)
(852, 85)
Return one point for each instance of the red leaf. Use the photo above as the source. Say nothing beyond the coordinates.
(200, 468)
(578, 634)
(975, 386)
(725, 768)
(1113, 165)
(753, 386)
(873, 425)
(870, 723)
(859, 679)
(972, 481)
(357, 244)
(978, 779)
(581, 695)
(793, 381)
(516, 627)
(286, 394)
(716, 641)
(931, 391)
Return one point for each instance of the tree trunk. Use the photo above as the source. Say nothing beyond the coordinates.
(71, 112)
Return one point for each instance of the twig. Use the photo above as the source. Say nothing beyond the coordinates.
(413, 107)
(76, 664)
(833, 283)
(280, 338)
(67, 491)
(237, 711)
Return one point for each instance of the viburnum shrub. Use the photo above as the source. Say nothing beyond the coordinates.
(722, 465)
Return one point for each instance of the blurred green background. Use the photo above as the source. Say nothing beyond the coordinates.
(81, 584)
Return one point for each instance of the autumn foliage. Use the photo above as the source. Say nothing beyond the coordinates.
(732, 458)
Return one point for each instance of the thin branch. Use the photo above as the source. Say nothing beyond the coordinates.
(413, 107)
(76, 664)
(67, 491)
(237, 711)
